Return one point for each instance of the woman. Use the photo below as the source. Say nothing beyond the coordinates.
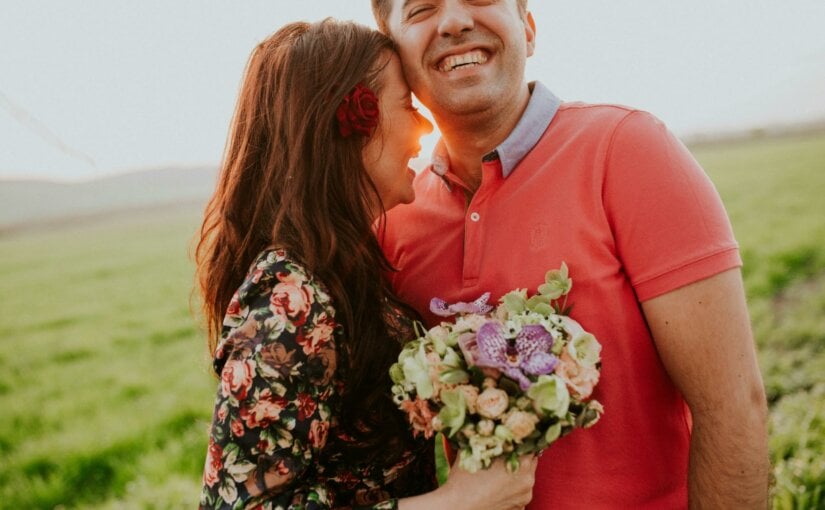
(303, 339)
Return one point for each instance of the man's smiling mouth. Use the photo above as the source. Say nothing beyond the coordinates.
(468, 59)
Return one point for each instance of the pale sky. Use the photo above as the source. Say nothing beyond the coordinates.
(96, 87)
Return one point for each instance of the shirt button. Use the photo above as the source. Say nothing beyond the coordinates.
(475, 216)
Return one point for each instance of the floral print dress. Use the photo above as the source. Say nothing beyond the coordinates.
(275, 441)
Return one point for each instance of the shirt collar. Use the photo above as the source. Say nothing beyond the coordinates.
(541, 108)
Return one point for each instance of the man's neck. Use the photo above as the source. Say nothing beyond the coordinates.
(468, 138)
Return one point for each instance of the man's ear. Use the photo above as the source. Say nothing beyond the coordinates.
(530, 33)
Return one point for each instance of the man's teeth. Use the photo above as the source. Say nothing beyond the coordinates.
(470, 58)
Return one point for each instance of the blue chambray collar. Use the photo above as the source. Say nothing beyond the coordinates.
(540, 111)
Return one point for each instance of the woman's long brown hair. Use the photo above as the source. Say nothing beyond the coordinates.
(290, 180)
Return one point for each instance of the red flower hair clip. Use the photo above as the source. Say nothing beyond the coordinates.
(358, 112)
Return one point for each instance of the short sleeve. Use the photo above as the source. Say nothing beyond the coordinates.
(277, 394)
(668, 221)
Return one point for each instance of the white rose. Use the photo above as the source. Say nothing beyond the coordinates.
(486, 427)
(492, 403)
(521, 424)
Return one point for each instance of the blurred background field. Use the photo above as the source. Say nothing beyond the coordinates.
(105, 391)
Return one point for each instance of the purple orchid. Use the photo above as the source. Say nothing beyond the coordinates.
(479, 306)
(528, 353)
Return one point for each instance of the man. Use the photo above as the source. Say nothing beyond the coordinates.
(521, 182)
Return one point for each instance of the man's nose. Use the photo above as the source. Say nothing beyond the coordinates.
(454, 18)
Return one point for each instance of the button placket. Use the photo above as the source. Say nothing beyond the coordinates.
(473, 226)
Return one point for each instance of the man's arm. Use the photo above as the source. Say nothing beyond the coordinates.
(703, 336)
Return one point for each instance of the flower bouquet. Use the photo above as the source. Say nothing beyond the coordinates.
(503, 381)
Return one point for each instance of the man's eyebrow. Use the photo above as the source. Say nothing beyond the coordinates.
(406, 3)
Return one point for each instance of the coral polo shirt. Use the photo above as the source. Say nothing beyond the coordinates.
(611, 192)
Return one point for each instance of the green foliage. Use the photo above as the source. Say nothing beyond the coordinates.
(442, 464)
(104, 377)
(105, 387)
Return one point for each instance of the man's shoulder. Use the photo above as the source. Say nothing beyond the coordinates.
(592, 121)
(596, 114)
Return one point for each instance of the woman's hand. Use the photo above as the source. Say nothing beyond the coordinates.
(494, 488)
(488, 489)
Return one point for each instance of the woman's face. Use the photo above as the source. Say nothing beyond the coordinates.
(396, 139)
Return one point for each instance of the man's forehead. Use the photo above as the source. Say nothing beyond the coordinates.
(405, 3)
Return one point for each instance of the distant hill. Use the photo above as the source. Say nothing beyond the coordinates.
(35, 202)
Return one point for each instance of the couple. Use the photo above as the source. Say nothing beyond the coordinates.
(312, 276)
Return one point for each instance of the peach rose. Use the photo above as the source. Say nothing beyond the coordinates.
(291, 299)
(492, 403)
(223, 412)
(234, 307)
(318, 433)
(579, 379)
(237, 428)
(318, 336)
(236, 378)
(214, 463)
(521, 424)
(267, 409)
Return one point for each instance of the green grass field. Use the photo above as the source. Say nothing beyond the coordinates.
(104, 380)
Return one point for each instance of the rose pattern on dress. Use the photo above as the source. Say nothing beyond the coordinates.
(275, 441)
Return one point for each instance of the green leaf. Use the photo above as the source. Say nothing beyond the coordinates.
(510, 386)
(455, 376)
(397, 373)
(550, 290)
(526, 447)
(503, 432)
(442, 464)
(557, 281)
(536, 300)
(451, 358)
(454, 411)
(543, 309)
(553, 433)
(515, 301)
(512, 462)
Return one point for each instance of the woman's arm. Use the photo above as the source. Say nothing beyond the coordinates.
(276, 396)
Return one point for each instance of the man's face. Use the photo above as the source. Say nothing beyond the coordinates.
(462, 56)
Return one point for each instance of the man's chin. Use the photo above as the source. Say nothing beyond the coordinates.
(464, 104)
